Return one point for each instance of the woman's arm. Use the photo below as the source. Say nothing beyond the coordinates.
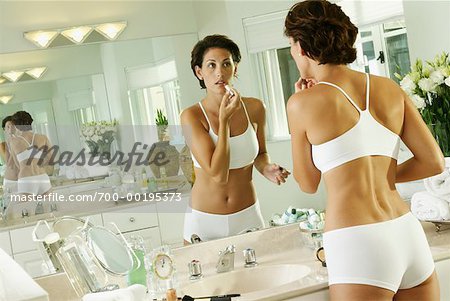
(428, 159)
(273, 172)
(3, 151)
(213, 159)
(305, 172)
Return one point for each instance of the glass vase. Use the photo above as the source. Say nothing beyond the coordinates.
(441, 132)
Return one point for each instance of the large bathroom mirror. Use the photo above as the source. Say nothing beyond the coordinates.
(102, 81)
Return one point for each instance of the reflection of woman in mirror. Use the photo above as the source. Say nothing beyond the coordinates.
(225, 134)
(11, 170)
(28, 148)
(347, 126)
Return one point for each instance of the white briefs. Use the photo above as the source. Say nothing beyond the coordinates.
(210, 226)
(10, 184)
(392, 254)
(36, 185)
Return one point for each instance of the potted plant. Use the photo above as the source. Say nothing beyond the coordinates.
(161, 124)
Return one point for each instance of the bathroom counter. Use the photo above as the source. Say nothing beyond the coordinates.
(273, 246)
(276, 246)
(103, 203)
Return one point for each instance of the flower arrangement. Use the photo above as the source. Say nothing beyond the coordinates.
(98, 135)
(428, 86)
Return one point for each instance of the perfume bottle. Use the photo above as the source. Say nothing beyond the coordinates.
(139, 274)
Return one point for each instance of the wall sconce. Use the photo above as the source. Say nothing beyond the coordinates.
(6, 98)
(15, 75)
(76, 35)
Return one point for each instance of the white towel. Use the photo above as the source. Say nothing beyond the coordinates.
(439, 185)
(135, 292)
(427, 207)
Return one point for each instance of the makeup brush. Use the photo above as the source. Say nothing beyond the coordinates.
(221, 297)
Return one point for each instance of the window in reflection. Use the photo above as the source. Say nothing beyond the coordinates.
(382, 50)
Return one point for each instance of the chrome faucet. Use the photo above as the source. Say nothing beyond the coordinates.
(226, 259)
(39, 208)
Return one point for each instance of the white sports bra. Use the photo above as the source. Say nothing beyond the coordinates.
(243, 148)
(366, 138)
(27, 154)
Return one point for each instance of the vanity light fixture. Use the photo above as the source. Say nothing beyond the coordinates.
(36, 73)
(6, 98)
(111, 30)
(16, 75)
(76, 34)
(13, 76)
(41, 38)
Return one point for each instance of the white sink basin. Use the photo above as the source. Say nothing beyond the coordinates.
(246, 280)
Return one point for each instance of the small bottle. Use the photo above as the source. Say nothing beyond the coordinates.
(163, 183)
(138, 275)
(152, 185)
(293, 217)
(144, 181)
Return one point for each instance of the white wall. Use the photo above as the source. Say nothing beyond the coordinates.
(428, 26)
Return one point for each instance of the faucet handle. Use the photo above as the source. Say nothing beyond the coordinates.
(195, 270)
(230, 249)
(24, 212)
(250, 258)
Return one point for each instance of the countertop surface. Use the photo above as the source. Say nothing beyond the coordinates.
(274, 246)
(103, 202)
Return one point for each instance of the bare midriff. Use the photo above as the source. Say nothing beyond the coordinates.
(361, 192)
(216, 198)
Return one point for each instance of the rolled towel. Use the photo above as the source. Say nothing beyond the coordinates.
(135, 292)
(428, 207)
(439, 185)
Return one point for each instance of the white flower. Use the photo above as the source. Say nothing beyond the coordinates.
(418, 101)
(415, 76)
(437, 77)
(408, 84)
(426, 84)
(447, 81)
(95, 138)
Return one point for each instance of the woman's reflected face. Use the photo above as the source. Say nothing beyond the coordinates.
(217, 69)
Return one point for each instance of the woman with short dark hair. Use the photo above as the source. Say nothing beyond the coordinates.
(30, 152)
(346, 127)
(225, 133)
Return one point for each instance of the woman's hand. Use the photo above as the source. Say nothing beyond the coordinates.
(303, 84)
(275, 173)
(229, 105)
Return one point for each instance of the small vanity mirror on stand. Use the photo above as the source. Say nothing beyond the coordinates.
(86, 252)
(111, 251)
(66, 225)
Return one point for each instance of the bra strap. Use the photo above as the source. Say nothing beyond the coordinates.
(367, 91)
(343, 92)
(206, 116)
(20, 136)
(246, 113)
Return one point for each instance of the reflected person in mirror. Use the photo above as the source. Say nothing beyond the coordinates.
(225, 133)
(346, 127)
(11, 170)
(28, 149)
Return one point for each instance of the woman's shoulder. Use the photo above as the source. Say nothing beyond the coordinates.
(253, 103)
(190, 114)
